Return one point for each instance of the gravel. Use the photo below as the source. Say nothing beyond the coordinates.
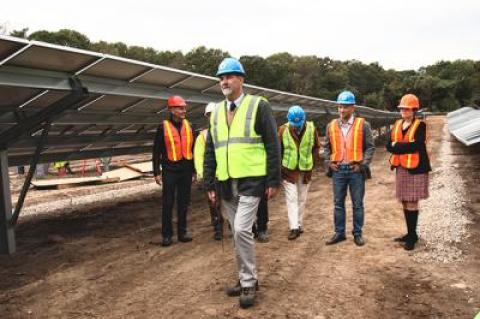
(93, 200)
(443, 218)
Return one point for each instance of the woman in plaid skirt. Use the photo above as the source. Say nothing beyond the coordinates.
(409, 157)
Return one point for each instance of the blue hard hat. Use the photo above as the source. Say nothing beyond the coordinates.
(346, 97)
(296, 116)
(230, 66)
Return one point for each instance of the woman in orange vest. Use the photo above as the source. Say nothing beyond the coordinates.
(409, 157)
(173, 167)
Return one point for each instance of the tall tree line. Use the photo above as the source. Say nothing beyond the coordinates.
(444, 86)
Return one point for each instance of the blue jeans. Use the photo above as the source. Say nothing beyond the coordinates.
(342, 180)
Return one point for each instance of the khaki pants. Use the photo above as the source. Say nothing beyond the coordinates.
(296, 196)
(241, 212)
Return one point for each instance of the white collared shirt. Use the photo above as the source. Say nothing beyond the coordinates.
(346, 126)
(237, 101)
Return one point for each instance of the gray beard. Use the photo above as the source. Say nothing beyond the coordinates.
(226, 92)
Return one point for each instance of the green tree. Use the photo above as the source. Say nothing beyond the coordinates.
(203, 60)
(62, 37)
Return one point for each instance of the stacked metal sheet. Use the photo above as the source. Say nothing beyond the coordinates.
(464, 124)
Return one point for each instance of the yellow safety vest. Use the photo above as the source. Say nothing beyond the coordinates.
(239, 150)
(199, 152)
(300, 156)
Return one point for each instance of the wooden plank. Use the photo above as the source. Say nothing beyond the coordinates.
(50, 183)
(143, 167)
(123, 174)
(100, 181)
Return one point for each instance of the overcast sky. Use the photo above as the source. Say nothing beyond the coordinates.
(401, 34)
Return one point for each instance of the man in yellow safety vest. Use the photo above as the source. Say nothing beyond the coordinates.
(243, 153)
(300, 146)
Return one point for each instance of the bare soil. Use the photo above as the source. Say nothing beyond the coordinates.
(99, 263)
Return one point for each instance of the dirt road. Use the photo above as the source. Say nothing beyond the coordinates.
(99, 263)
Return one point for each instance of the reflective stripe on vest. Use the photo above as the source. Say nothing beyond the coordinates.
(199, 153)
(239, 150)
(407, 161)
(298, 157)
(178, 146)
(352, 145)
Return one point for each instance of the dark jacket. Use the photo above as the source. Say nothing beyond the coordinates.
(368, 151)
(160, 157)
(418, 145)
(266, 127)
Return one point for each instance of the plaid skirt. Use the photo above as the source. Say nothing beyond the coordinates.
(409, 187)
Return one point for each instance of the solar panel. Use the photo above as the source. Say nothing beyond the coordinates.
(125, 102)
(464, 124)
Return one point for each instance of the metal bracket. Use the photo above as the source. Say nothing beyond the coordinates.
(31, 171)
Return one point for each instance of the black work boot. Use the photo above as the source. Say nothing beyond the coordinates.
(166, 241)
(293, 234)
(262, 237)
(185, 238)
(236, 290)
(247, 297)
(218, 235)
(412, 237)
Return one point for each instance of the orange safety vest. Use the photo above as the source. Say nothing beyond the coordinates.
(408, 161)
(178, 146)
(352, 146)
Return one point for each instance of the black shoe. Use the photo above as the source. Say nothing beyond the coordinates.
(300, 229)
(358, 240)
(404, 238)
(294, 233)
(185, 238)
(217, 235)
(401, 239)
(236, 290)
(262, 237)
(167, 241)
(247, 297)
(336, 239)
(409, 245)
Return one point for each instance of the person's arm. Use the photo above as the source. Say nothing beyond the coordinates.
(369, 145)
(413, 147)
(156, 154)
(327, 150)
(281, 129)
(209, 163)
(198, 155)
(316, 147)
(194, 139)
(266, 127)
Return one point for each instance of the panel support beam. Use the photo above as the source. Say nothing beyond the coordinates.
(31, 171)
(7, 232)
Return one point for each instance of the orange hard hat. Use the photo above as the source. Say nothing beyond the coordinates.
(176, 100)
(409, 101)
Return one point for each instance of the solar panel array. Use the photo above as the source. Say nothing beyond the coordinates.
(464, 124)
(125, 102)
